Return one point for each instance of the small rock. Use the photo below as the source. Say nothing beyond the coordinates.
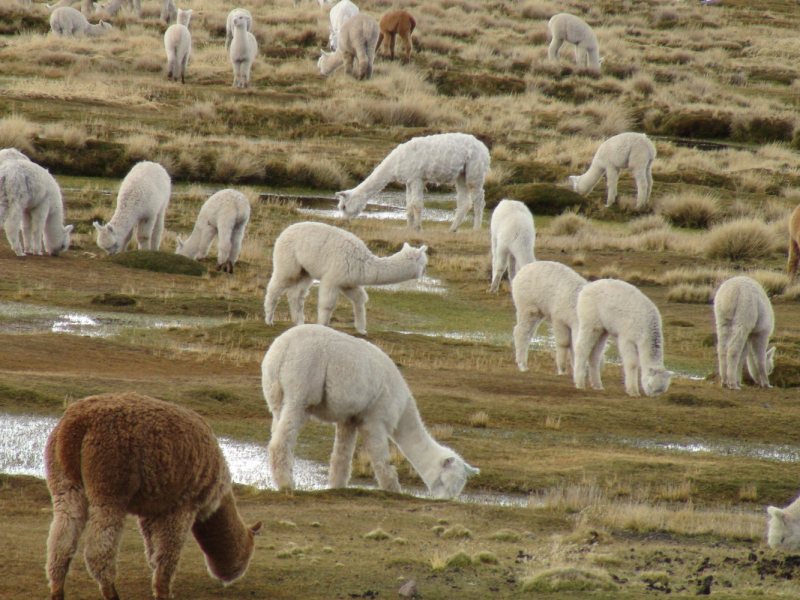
(409, 589)
(704, 586)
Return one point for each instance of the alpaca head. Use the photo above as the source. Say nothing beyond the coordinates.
(180, 249)
(784, 530)
(351, 203)
(417, 256)
(326, 63)
(107, 238)
(105, 25)
(234, 564)
(655, 380)
(752, 365)
(575, 180)
(238, 21)
(184, 17)
(452, 478)
(56, 246)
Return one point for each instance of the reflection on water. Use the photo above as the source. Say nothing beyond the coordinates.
(19, 317)
(425, 284)
(389, 205)
(777, 452)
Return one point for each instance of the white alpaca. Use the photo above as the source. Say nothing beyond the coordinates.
(339, 14)
(357, 41)
(513, 236)
(569, 28)
(314, 371)
(745, 321)
(243, 50)
(546, 290)
(88, 7)
(178, 45)
(341, 262)
(457, 158)
(31, 202)
(225, 216)
(612, 307)
(784, 527)
(69, 22)
(142, 202)
(229, 23)
(10, 154)
(632, 151)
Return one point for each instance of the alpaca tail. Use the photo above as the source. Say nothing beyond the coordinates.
(69, 434)
(412, 24)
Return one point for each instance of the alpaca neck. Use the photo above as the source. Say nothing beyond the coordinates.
(588, 180)
(651, 353)
(382, 176)
(222, 536)
(54, 225)
(191, 247)
(393, 269)
(417, 445)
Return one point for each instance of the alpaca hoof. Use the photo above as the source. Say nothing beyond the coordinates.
(522, 367)
(362, 331)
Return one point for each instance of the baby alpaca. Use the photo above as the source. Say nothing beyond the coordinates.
(178, 44)
(242, 51)
(314, 371)
(513, 237)
(229, 23)
(30, 201)
(569, 28)
(745, 321)
(784, 527)
(69, 21)
(547, 290)
(794, 242)
(224, 215)
(10, 154)
(455, 158)
(118, 454)
(339, 15)
(394, 23)
(142, 202)
(358, 38)
(341, 262)
(632, 151)
(612, 307)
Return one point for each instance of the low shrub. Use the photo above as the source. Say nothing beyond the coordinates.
(690, 210)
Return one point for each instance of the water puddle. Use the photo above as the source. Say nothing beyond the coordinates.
(23, 437)
(776, 452)
(385, 205)
(425, 285)
(22, 318)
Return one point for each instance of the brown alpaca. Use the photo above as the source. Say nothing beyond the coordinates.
(119, 454)
(794, 243)
(394, 23)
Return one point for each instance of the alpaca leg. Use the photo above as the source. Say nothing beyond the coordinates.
(158, 229)
(722, 354)
(183, 67)
(612, 175)
(757, 359)
(349, 59)
(236, 244)
(376, 442)
(102, 546)
(630, 365)
(581, 58)
(275, 289)
(584, 351)
(478, 202)
(512, 267)
(563, 339)
(735, 358)
(392, 41)
(408, 46)
(70, 512)
(168, 536)
(642, 195)
(380, 46)
(649, 180)
(499, 262)
(794, 258)
(414, 203)
(146, 527)
(12, 227)
(595, 359)
(344, 446)
(328, 295)
(171, 67)
(462, 202)
(359, 298)
(524, 330)
(282, 443)
(297, 298)
(555, 46)
(224, 243)
(144, 233)
(27, 238)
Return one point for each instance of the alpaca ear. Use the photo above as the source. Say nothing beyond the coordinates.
(97, 226)
(110, 228)
(423, 249)
(448, 462)
(471, 470)
(671, 374)
(771, 352)
(573, 179)
(774, 511)
(68, 229)
(255, 527)
(406, 245)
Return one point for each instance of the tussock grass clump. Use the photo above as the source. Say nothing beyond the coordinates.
(18, 132)
(140, 147)
(679, 492)
(234, 166)
(316, 172)
(552, 422)
(690, 210)
(457, 531)
(688, 293)
(485, 557)
(480, 419)
(568, 223)
(743, 239)
(376, 534)
(112, 299)
(646, 223)
(160, 262)
(748, 493)
(772, 282)
(505, 535)
(568, 499)
(441, 432)
(459, 560)
(568, 579)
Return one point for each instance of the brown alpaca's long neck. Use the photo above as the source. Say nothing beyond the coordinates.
(223, 538)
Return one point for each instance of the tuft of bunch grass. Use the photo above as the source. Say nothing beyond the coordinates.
(688, 293)
(315, 172)
(18, 132)
(742, 239)
(568, 223)
(568, 579)
(480, 419)
(376, 534)
(646, 223)
(457, 531)
(505, 535)
(690, 210)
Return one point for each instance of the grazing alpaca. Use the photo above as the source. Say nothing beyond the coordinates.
(314, 371)
(118, 454)
(745, 321)
(632, 151)
(546, 290)
(141, 202)
(569, 28)
(68, 21)
(358, 38)
(784, 527)
(611, 307)
(31, 202)
(341, 262)
(457, 158)
(10, 154)
(225, 216)
(513, 236)
(338, 16)
(394, 23)
(178, 45)
(794, 243)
